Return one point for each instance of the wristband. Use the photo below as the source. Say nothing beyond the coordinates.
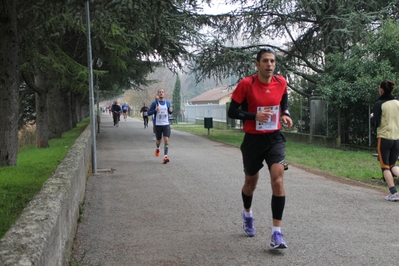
(287, 113)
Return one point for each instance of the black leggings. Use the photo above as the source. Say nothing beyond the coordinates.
(388, 152)
(116, 117)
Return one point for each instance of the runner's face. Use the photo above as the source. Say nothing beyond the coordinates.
(161, 94)
(266, 65)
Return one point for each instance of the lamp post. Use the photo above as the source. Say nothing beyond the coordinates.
(99, 63)
(91, 93)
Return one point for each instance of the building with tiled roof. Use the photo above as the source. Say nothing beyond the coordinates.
(219, 95)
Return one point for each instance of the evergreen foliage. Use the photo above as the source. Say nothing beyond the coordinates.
(176, 102)
(312, 30)
(320, 38)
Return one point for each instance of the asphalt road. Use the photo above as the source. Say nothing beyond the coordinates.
(187, 212)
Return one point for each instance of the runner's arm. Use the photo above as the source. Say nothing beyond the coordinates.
(236, 112)
(152, 111)
(376, 118)
(170, 112)
(284, 105)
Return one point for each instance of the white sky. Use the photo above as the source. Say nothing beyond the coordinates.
(218, 7)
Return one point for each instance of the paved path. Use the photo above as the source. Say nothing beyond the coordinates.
(187, 212)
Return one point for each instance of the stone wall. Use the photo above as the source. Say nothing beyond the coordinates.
(44, 233)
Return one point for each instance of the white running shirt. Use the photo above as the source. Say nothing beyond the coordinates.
(162, 115)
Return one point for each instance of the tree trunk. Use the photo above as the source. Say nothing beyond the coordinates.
(59, 113)
(339, 128)
(41, 112)
(74, 118)
(68, 108)
(80, 106)
(9, 83)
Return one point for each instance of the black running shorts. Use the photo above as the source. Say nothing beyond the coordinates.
(162, 131)
(257, 148)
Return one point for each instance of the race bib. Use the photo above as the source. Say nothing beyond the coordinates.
(272, 123)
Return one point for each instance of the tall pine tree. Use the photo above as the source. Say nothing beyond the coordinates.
(177, 98)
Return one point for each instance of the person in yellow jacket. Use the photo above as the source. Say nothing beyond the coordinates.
(385, 118)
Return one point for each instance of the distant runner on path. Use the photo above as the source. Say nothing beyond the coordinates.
(162, 110)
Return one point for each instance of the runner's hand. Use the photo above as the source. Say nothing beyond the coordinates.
(264, 115)
(287, 121)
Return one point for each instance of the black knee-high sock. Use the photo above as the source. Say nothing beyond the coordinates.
(278, 204)
(393, 190)
(165, 152)
(247, 200)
